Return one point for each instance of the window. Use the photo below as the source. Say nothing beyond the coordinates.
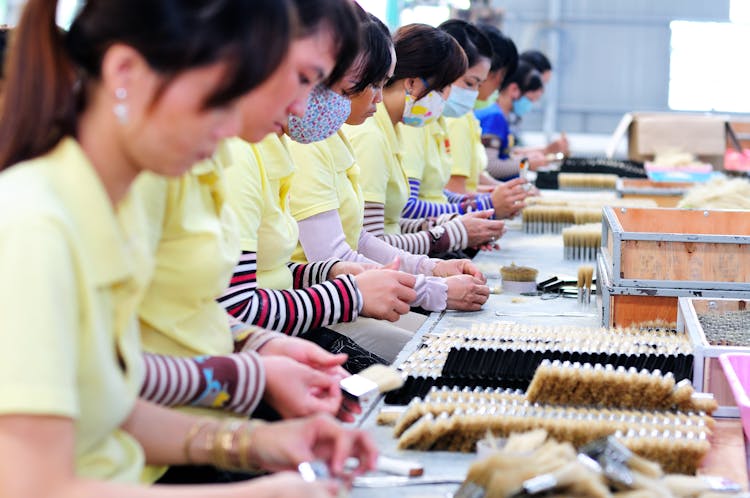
(707, 69)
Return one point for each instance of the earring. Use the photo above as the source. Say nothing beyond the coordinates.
(121, 108)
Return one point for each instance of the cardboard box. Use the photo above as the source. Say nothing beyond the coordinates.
(652, 133)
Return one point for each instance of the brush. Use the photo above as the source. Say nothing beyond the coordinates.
(398, 466)
(372, 380)
(677, 442)
(587, 181)
(582, 241)
(523, 172)
(554, 469)
(518, 279)
(585, 278)
(565, 383)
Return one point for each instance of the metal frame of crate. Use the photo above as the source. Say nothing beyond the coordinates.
(615, 238)
(687, 320)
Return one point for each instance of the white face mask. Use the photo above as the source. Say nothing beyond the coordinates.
(421, 112)
(461, 101)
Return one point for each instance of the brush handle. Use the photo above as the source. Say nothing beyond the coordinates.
(397, 481)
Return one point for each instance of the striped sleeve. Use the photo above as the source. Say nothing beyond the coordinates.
(233, 383)
(291, 312)
(249, 337)
(480, 201)
(501, 169)
(413, 226)
(420, 224)
(418, 208)
(308, 274)
(436, 240)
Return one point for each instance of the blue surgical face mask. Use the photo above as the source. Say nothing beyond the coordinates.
(460, 101)
(326, 112)
(522, 106)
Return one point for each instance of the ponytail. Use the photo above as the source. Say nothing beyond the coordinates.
(38, 98)
(48, 70)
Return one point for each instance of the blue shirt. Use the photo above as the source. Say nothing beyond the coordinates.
(493, 122)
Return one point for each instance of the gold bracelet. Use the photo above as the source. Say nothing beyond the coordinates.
(223, 449)
(190, 436)
(245, 443)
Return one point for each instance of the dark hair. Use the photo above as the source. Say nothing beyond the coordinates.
(474, 43)
(374, 59)
(504, 51)
(526, 77)
(47, 66)
(339, 17)
(537, 59)
(426, 52)
(4, 35)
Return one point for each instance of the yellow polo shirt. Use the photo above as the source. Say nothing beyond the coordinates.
(327, 179)
(199, 237)
(72, 271)
(377, 148)
(258, 186)
(427, 158)
(469, 156)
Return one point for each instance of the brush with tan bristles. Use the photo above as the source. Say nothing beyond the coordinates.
(372, 380)
(582, 241)
(677, 445)
(587, 181)
(565, 383)
(585, 279)
(518, 278)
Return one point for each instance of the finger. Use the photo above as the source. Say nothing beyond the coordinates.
(366, 452)
(329, 405)
(321, 380)
(406, 295)
(481, 290)
(351, 406)
(343, 443)
(322, 359)
(402, 308)
(393, 265)
(407, 279)
(514, 182)
(345, 416)
(485, 214)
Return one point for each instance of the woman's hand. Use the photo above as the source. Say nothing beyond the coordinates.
(349, 268)
(508, 198)
(314, 356)
(465, 293)
(284, 445)
(286, 484)
(387, 293)
(296, 390)
(481, 229)
(303, 351)
(451, 267)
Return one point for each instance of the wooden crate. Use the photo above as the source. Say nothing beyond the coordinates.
(676, 248)
(707, 372)
(664, 194)
(628, 306)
